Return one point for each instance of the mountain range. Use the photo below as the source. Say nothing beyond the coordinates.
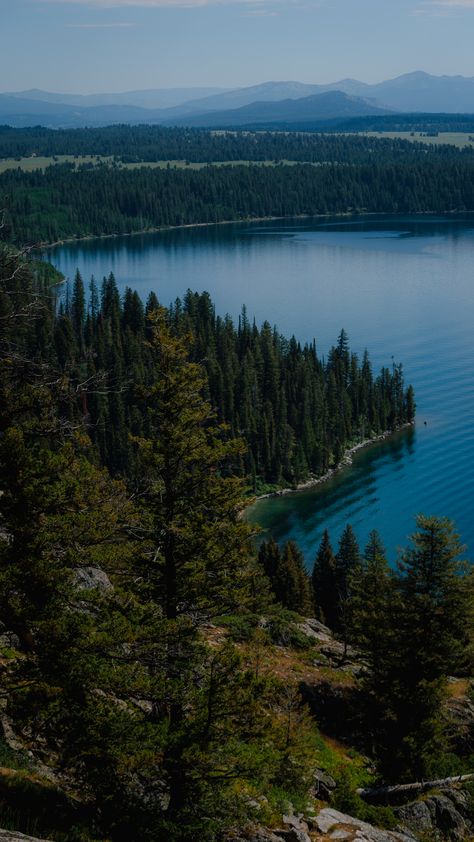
(309, 109)
(267, 103)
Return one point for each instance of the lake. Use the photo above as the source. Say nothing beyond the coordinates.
(401, 286)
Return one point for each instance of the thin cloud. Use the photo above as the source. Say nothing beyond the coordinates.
(170, 4)
(100, 25)
(260, 13)
(445, 5)
(149, 4)
(442, 8)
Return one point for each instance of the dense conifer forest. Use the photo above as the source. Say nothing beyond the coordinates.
(134, 144)
(296, 412)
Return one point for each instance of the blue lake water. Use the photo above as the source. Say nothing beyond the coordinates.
(401, 286)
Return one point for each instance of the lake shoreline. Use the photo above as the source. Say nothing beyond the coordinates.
(184, 226)
(345, 462)
(246, 221)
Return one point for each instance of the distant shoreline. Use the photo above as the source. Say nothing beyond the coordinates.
(161, 228)
(345, 462)
(246, 221)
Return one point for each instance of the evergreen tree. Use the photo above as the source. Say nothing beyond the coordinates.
(293, 585)
(324, 582)
(348, 566)
(197, 565)
(425, 640)
(78, 309)
(269, 556)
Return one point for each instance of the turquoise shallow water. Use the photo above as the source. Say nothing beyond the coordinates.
(400, 286)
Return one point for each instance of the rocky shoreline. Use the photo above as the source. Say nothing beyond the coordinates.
(345, 462)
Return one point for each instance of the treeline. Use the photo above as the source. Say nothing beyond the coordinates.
(62, 202)
(131, 144)
(296, 412)
(416, 122)
(411, 626)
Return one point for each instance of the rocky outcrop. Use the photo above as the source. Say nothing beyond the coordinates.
(336, 825)
(444, 815)
(328, 825)
(315, 630)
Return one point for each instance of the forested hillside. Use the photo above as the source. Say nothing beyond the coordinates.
(152, 665)
(135, 144)
(260, 174)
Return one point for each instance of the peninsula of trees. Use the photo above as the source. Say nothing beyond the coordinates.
(296, 412)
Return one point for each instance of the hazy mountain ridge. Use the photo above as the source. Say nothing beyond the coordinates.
(412, 92)
(326, 106)
(149, 98)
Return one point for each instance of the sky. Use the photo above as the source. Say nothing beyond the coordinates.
(88, 46)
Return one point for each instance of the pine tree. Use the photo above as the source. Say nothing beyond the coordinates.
(198, 562)
(324, 582)
(293, 585)
(427, 630)
(78, 309)
(269, 556)
(348, 564)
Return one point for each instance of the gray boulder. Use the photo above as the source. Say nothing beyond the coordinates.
(324, 785)
(89, 578)
(316, 630)
(340, 826)
(9, 640)
(416, 816)
(447, 818)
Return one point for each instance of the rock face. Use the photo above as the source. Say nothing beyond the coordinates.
(441, 816)
(338, 826)
(14, 836)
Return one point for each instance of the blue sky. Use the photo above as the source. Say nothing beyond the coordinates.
(114, 45)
